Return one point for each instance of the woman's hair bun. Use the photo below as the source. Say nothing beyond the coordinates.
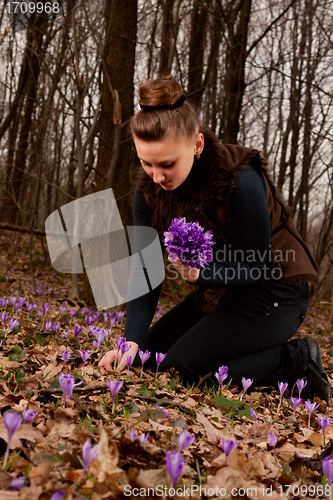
(164, 90)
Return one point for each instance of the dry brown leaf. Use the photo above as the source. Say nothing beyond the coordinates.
(151, 448)
(10, 495)
(51, 370)
(61, 430)
(18, 463)
(8, 364)
(107, 458)
(252, 469)
(228, 478)
(38, 475)
(212, 435)
(10, 400)
(310, 436)
(147, 478)
(26, 431)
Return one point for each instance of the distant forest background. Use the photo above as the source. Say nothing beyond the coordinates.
(258, 71)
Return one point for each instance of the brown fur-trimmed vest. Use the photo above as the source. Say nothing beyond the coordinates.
(203, 197)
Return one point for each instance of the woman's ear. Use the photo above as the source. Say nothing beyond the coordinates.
(199, 143)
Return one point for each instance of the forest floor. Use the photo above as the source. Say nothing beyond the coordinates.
(48, 449)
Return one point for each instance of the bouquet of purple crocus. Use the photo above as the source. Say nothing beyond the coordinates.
(189, 242)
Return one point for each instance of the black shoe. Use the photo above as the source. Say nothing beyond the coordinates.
(318, 383)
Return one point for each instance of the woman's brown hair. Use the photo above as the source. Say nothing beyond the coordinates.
(155, 124)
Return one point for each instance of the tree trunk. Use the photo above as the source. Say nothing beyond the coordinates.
(33, 52)
(197, 50)
(165, 53)
(236, 54)
(118, 75)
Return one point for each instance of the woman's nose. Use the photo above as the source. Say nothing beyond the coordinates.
(158, 176)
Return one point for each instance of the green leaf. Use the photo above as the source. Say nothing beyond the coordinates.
(286, 468)
(172, 385)
(144, 391)
(18, 354)
(19, 375)
(133, 408)
(16, 330)
(2, 278)
(232, 407)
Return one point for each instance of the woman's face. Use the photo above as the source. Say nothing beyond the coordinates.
(169, 161)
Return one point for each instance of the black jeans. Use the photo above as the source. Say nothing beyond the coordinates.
(249, 334)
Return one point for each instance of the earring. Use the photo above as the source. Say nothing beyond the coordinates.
(197, 155)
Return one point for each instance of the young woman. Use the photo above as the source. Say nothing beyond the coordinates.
(248, 302)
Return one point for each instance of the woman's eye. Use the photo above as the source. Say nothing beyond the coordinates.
(166, 166)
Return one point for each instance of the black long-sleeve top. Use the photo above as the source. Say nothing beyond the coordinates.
(248, 232)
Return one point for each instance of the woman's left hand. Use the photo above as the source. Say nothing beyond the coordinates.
(187, 273)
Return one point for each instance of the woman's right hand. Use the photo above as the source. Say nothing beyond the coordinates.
(106, 363)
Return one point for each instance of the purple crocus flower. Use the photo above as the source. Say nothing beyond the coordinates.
(85, 355)
(327, 466)
(114, 387)
(66, 355)
(174, 464)
(22, 301)
(113, 320)
(67, 384)
(185, 439)
(4, 317)
(12, 421)
(324, 423)
(100, 336)
(221, 375)
(56, 327)
(246, 384)
(13, 323)
(88, 453)
(310, 408)
(13, 300)
(58, 495)
(143, 356)
(72, 313)
(29, 308)
(40, 314)
(77, 330)
(253, 413)
(28, 415)
(159, 359)
(282, 387)
(142, 438)
(18, 483)
(300, 386)
(188, 242)
(163, 409)
(62, 309)
(129, 361)
(4, 303)
(48, 326)
(119, 316)
(228, 445)
(295, 402)
(45, 308)
(124, 348)
(272, 439)
(88, 320)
